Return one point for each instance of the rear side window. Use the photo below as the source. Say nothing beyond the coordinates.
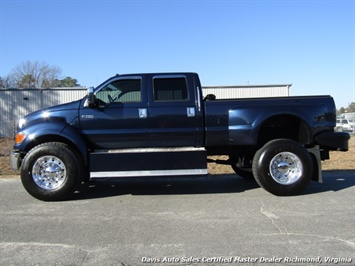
(170, 89)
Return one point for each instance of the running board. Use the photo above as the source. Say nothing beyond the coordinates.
(148, 162)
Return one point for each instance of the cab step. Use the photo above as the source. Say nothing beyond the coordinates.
(179, 161)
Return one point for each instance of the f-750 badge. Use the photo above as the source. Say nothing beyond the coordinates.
(87, 116)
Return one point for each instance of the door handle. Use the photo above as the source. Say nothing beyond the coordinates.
(190, 111)
(142, 113)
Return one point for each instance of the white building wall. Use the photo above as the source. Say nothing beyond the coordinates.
(15, 103)
(248, 91)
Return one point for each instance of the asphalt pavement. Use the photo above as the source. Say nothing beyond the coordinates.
(214, 220)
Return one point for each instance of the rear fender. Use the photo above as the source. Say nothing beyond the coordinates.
(245, 125)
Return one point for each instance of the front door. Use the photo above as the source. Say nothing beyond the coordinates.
(119, 119)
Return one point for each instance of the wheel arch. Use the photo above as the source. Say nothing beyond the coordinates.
(68, 136)
(287, 126)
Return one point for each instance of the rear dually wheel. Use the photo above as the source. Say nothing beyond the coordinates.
(283, 167)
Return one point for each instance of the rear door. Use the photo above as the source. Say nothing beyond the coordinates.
(174, 114)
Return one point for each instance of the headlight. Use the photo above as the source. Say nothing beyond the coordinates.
(21, 122)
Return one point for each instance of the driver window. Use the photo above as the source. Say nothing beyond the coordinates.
(121, 91)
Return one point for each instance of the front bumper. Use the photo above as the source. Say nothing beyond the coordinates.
(15, 160)
(333, 141)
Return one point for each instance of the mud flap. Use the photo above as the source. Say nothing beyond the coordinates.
(317, 165)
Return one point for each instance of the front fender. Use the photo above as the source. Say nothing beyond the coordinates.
(72, 134)
(35, 131)
(51, 131)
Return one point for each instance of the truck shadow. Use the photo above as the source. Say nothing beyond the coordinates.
(336, 180)
(210, 184)
(333, 180)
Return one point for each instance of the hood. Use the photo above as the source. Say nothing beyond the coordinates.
(64, 112)
(63, 107)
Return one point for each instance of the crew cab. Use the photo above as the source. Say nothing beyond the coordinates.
(161, 124)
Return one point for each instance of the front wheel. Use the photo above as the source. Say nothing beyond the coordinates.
(51, 171)
(283, 167)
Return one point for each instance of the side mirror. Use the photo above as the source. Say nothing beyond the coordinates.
(91, 97)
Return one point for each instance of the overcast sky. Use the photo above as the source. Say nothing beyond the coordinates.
(310, 44)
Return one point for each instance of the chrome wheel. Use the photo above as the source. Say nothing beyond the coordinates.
(49, 172)
(286, 168)
(283, 167)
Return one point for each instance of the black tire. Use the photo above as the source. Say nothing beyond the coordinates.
(51, 171)
(283, 167)
(245, 173)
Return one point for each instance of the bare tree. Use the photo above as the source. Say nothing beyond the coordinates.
(7, 82)
(35, 75)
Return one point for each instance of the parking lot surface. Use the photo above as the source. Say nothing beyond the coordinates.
(214, 220)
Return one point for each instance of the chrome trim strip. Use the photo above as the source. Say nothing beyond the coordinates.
(94, 175)
(198, 99)
(169, 76)
(142, 150)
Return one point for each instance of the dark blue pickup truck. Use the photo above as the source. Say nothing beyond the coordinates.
(161, 125)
